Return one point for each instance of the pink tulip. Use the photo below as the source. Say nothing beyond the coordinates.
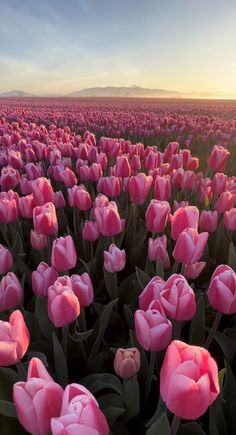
(219, 183)
(218, 158)
(36, 369)
(64, 255)
(225, 202)
(221, 292)
(90, 231)
(192, 271)
(83, 289)
(8, 210)
(108, 220)
(208, 221)
(14, 339)
(162, 188)
(190, 246)
(188, 380)
(157, 249)
(114, 259)
(135, 163)
(45, 219)
(38, 241)
(178, 298)
(11, 293)
(9, 178)
(230, 219)
(127, 362)
(188, 181)
(79, 197)
(37, 401)
(63, 304)
(101, 201)
(153, 330)
(26, 206)
(157, 215)
(67, 176)
(122, 167)
(109, 186)
(95, 171)
(186, 217)
(59, 199)
(42, 278)
(6, 260)
(42, 191)
(139, 187)
(80, 414)
(151, 292)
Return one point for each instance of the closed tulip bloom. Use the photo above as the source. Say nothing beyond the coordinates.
(100, 201)
(153, 330)
(188, 380)
(8, 210)
(172, 148)
(90, 231)
(194, 270)
(9, 178)
(108, 220)
(38, 241)
(135, 163)
(157, 215)
(42, 278)
(139, 187)
(219, 183)
(181, 204)
(26, 206)
(176, 161)
(123, 168)
(37, 401)
(162, 188)
(221, 292)
(64, 255)
(186, 217)
(225, 202)
(33, 172)
(95, 171)
(63, 304)
(79, 197)
(176, 178)
(208, 220)
(14, 339)
(6, 260)
(127, 362)
(190, 246)
(42, 191)
(11, 293)
(109, 186)
(157, 249)
(178, 298)
(193, 164)
(84, 173)
(45, 219)
(114, 259)
(67, 177)
(218, 158)
(230, 219)
(188, 181)
(151, 292)
(36, 369)
(80, 414)
(83, 289)
(59, 199)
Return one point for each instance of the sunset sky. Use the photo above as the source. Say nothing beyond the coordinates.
(52, 46)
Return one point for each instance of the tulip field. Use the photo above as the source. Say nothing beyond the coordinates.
(117, 267)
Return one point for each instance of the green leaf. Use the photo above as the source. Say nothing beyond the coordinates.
(8, 409)
(232, 257)
(142, 277)
(78, 337)
(197, 328)
(149, 268)
(101, 381)
(160, 268)
(41, 311)
(129, 317)
(60, 361)
(10, 426)
(160, 427)
(190, 428)
(131, 398)
(111, 283)
(229, 395)
(227, 345)
(8, 378)
(35, 354)
(103, 322)
(112, 406)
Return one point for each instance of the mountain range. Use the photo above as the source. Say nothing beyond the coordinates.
(113, 91)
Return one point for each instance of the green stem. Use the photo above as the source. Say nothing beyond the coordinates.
(175, 425)
(213, 329)
(175, 267)
(64, 339)
(150, 375)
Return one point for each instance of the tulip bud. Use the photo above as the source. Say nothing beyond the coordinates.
(114, 259)
(127, 362)
(64, 255)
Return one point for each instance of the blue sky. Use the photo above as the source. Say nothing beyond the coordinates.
(63, 46)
